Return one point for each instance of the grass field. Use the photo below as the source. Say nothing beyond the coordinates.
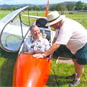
(58, 71)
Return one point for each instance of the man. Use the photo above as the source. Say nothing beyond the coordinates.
(36, 43)
(74, 36)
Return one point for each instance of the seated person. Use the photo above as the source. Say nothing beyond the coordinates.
(35, 43)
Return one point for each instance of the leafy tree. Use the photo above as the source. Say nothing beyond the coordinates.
(70, 6)
(1, 8)
(35, 8)
(85, 7)
(58, 7)
(30, 8)
(38, 8)
(18, 7)
(14, 8)
(21, 6)
(79, 5)
(62, 8)
(9, 8)
(44, 8)
(53, 7)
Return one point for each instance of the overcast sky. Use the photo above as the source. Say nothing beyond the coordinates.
(39, 2)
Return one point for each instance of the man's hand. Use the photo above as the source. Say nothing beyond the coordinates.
(38, 55)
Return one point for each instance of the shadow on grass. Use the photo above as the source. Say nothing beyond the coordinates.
(57, 81)
(6, 70)
(62, 51)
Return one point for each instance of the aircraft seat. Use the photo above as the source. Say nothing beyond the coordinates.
(41, 22)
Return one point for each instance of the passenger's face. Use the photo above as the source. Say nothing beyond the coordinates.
(35, 32)
(57, 25)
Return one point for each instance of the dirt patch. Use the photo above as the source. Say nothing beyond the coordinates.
(64, 60)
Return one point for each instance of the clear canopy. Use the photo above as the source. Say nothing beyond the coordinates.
(12, 31)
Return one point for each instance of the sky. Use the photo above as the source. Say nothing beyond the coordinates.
(37, 2)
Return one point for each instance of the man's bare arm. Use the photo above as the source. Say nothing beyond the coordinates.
(54, 39)
(49, 51)
(52, 49)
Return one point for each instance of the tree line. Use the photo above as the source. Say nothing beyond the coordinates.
(59, 7)
(33, 8)
(69, 7)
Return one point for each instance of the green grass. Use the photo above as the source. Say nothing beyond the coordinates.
(3, 14)
(81, 18)
(58, 71)
(62, 70)
(7, 61)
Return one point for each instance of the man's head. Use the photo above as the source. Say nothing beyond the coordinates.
(35, 31)
(53, 18)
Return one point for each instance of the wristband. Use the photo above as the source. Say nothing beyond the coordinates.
(43, 55)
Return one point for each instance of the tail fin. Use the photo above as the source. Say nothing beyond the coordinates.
(47, 8)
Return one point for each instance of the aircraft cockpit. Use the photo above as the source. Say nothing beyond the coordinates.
(13, 30)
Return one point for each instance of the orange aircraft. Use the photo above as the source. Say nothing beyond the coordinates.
(28, 70)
